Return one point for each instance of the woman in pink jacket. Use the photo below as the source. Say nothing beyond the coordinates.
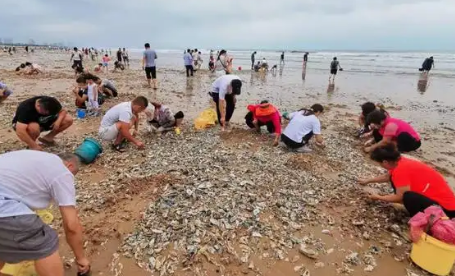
(265, 114)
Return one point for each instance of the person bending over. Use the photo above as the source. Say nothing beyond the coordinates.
(30, 180)
(162, 118)
(416, 185)
(106, 87)
(5, 92)
(117, 122)
(367, 108)
(265, 114)
(303, 125)
(392, 130)
(39, 114)
(224, 91)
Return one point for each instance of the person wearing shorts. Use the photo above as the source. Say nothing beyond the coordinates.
(5, 92)
(29, 181)
(76, 57)
(162, 118)
(39, 114)
(148, 64)
(117, 122)
(334, 66)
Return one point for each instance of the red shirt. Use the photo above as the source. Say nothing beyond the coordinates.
(424, 180)
(275, 118)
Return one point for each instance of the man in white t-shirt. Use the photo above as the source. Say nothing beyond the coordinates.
(29, 181)
(117, 122)
(224, 91)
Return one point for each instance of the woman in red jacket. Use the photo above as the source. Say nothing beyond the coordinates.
(265, 114)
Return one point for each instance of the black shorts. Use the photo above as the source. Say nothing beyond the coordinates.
(47, 126)
(77, 63)
(150, 72)
(333, 71)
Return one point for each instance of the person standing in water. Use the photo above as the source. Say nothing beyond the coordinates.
(253, 59)
(334, 66)
(282, 59)
(148, 64)
(305, 57)
(427, 65)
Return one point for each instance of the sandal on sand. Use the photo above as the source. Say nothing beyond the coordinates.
(119, 147)
(46, 142)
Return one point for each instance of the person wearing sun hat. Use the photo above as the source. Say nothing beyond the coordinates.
(5, 92)
(265, 114)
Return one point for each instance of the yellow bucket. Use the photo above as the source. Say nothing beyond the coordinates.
(27, 268)
(433, 255)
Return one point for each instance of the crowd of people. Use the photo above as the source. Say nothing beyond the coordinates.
(31, 179)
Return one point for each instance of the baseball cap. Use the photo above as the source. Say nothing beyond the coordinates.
(236, 86)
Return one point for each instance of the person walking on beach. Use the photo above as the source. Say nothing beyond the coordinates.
(427, 65)
(76, 58)
(334, 66)
(32, 180)
(119, 55)
(224, 92)
(282, 59)
(106, 60)
(188, 62)
(38, 114)
(126, 60)
(416, 185)
(305, 57)
(223, 64)
(253, 59)
(117, 122)
(148, 64)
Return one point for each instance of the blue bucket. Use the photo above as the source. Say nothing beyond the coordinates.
(89, 150)
(81, 113)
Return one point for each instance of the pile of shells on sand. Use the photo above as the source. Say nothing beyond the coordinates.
(237, 199)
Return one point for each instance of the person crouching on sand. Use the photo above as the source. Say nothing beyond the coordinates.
(416, 185)
(80, 92)
(106, 87)
(38, 114)
(303, 125)
(5, 92)
(32, 180)
(392, 130)
(162, 118)
(98, 67)
(117, 122)
(367, 108)
(264, 114)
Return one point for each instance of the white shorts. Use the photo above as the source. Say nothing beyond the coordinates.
(109, 133)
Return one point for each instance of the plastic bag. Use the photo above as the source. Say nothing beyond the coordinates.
(434, 222)
(206, 119)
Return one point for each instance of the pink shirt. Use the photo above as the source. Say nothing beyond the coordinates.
(393, 127)
(106, 59)
(275, 118)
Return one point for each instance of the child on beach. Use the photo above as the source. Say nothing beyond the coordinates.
(92, 94)
(80, 92)
(106, 60)
(98, 67)
(5, 92)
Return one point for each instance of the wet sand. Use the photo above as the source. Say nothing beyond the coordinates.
(108, 223)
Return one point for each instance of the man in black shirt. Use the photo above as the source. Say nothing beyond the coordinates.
(119, 55)
(39, 114)
(305, 57)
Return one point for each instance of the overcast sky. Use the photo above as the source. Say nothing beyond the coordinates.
(235, 24)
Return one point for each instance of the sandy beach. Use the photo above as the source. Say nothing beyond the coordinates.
(211, 203)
